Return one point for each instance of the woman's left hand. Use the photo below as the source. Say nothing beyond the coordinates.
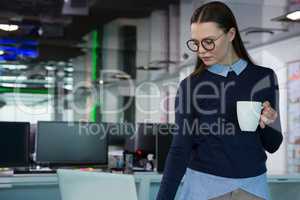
(268, 116)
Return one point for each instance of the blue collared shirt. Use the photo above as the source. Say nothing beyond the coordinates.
(203, 186)
(223, 70)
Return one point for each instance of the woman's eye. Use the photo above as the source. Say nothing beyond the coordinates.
(196, 42)
(209, 41)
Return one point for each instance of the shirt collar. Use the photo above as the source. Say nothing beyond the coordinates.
(223, 70)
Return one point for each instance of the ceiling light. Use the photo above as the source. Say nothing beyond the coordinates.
(68, 87)
(69, 79)
(48, 78)
(69, 69)
(40, 31)
(49, 68)
(9, 27)
(2, 52)
(121, 76)
(294, 15)
(48, 86)
(13, 67)
(13, 85)
(12, 78)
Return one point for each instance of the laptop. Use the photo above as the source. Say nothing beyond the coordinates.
(81, 185)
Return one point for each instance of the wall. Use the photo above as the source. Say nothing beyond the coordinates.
(112, 97)
(155, 36)
(23, 113)
(276, 56)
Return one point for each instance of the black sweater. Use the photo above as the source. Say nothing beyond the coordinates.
(207, 136)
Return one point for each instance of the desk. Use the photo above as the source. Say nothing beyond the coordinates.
(45, 187)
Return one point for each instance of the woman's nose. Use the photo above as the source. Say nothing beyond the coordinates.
(201, 50)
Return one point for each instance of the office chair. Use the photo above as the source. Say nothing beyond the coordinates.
(79, 185)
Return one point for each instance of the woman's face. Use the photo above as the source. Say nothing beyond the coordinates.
(223, 46)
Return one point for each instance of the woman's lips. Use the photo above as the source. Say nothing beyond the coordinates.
(206, 58)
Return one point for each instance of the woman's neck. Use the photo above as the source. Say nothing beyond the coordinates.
(230, 58)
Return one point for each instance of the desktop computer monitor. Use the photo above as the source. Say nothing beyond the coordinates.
(71, 143)
(164, 138)
(147, 133)
(118, 133)
(145, 137)
(14, 144)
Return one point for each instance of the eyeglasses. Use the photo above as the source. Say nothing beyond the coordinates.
(207, 43)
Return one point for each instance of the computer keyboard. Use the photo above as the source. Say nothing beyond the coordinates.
(35, 171)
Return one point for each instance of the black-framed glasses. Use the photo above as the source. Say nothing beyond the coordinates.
(207, 43)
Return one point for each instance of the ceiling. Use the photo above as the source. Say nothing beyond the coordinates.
(58, 31)
(58, 27)
(258, 20)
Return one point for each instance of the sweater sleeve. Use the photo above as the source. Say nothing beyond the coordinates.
(181, 147)
(271, 135)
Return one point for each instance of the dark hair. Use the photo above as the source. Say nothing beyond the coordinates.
(221, 14)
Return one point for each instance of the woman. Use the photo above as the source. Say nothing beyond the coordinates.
(219, 160)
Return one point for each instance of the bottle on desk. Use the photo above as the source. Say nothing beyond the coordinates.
(128, 168)
(150, 163)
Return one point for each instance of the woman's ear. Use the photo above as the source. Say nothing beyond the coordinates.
(231, 34)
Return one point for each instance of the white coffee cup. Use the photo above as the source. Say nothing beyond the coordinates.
(248, 114)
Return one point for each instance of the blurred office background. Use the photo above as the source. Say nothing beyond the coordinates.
(121, 60)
